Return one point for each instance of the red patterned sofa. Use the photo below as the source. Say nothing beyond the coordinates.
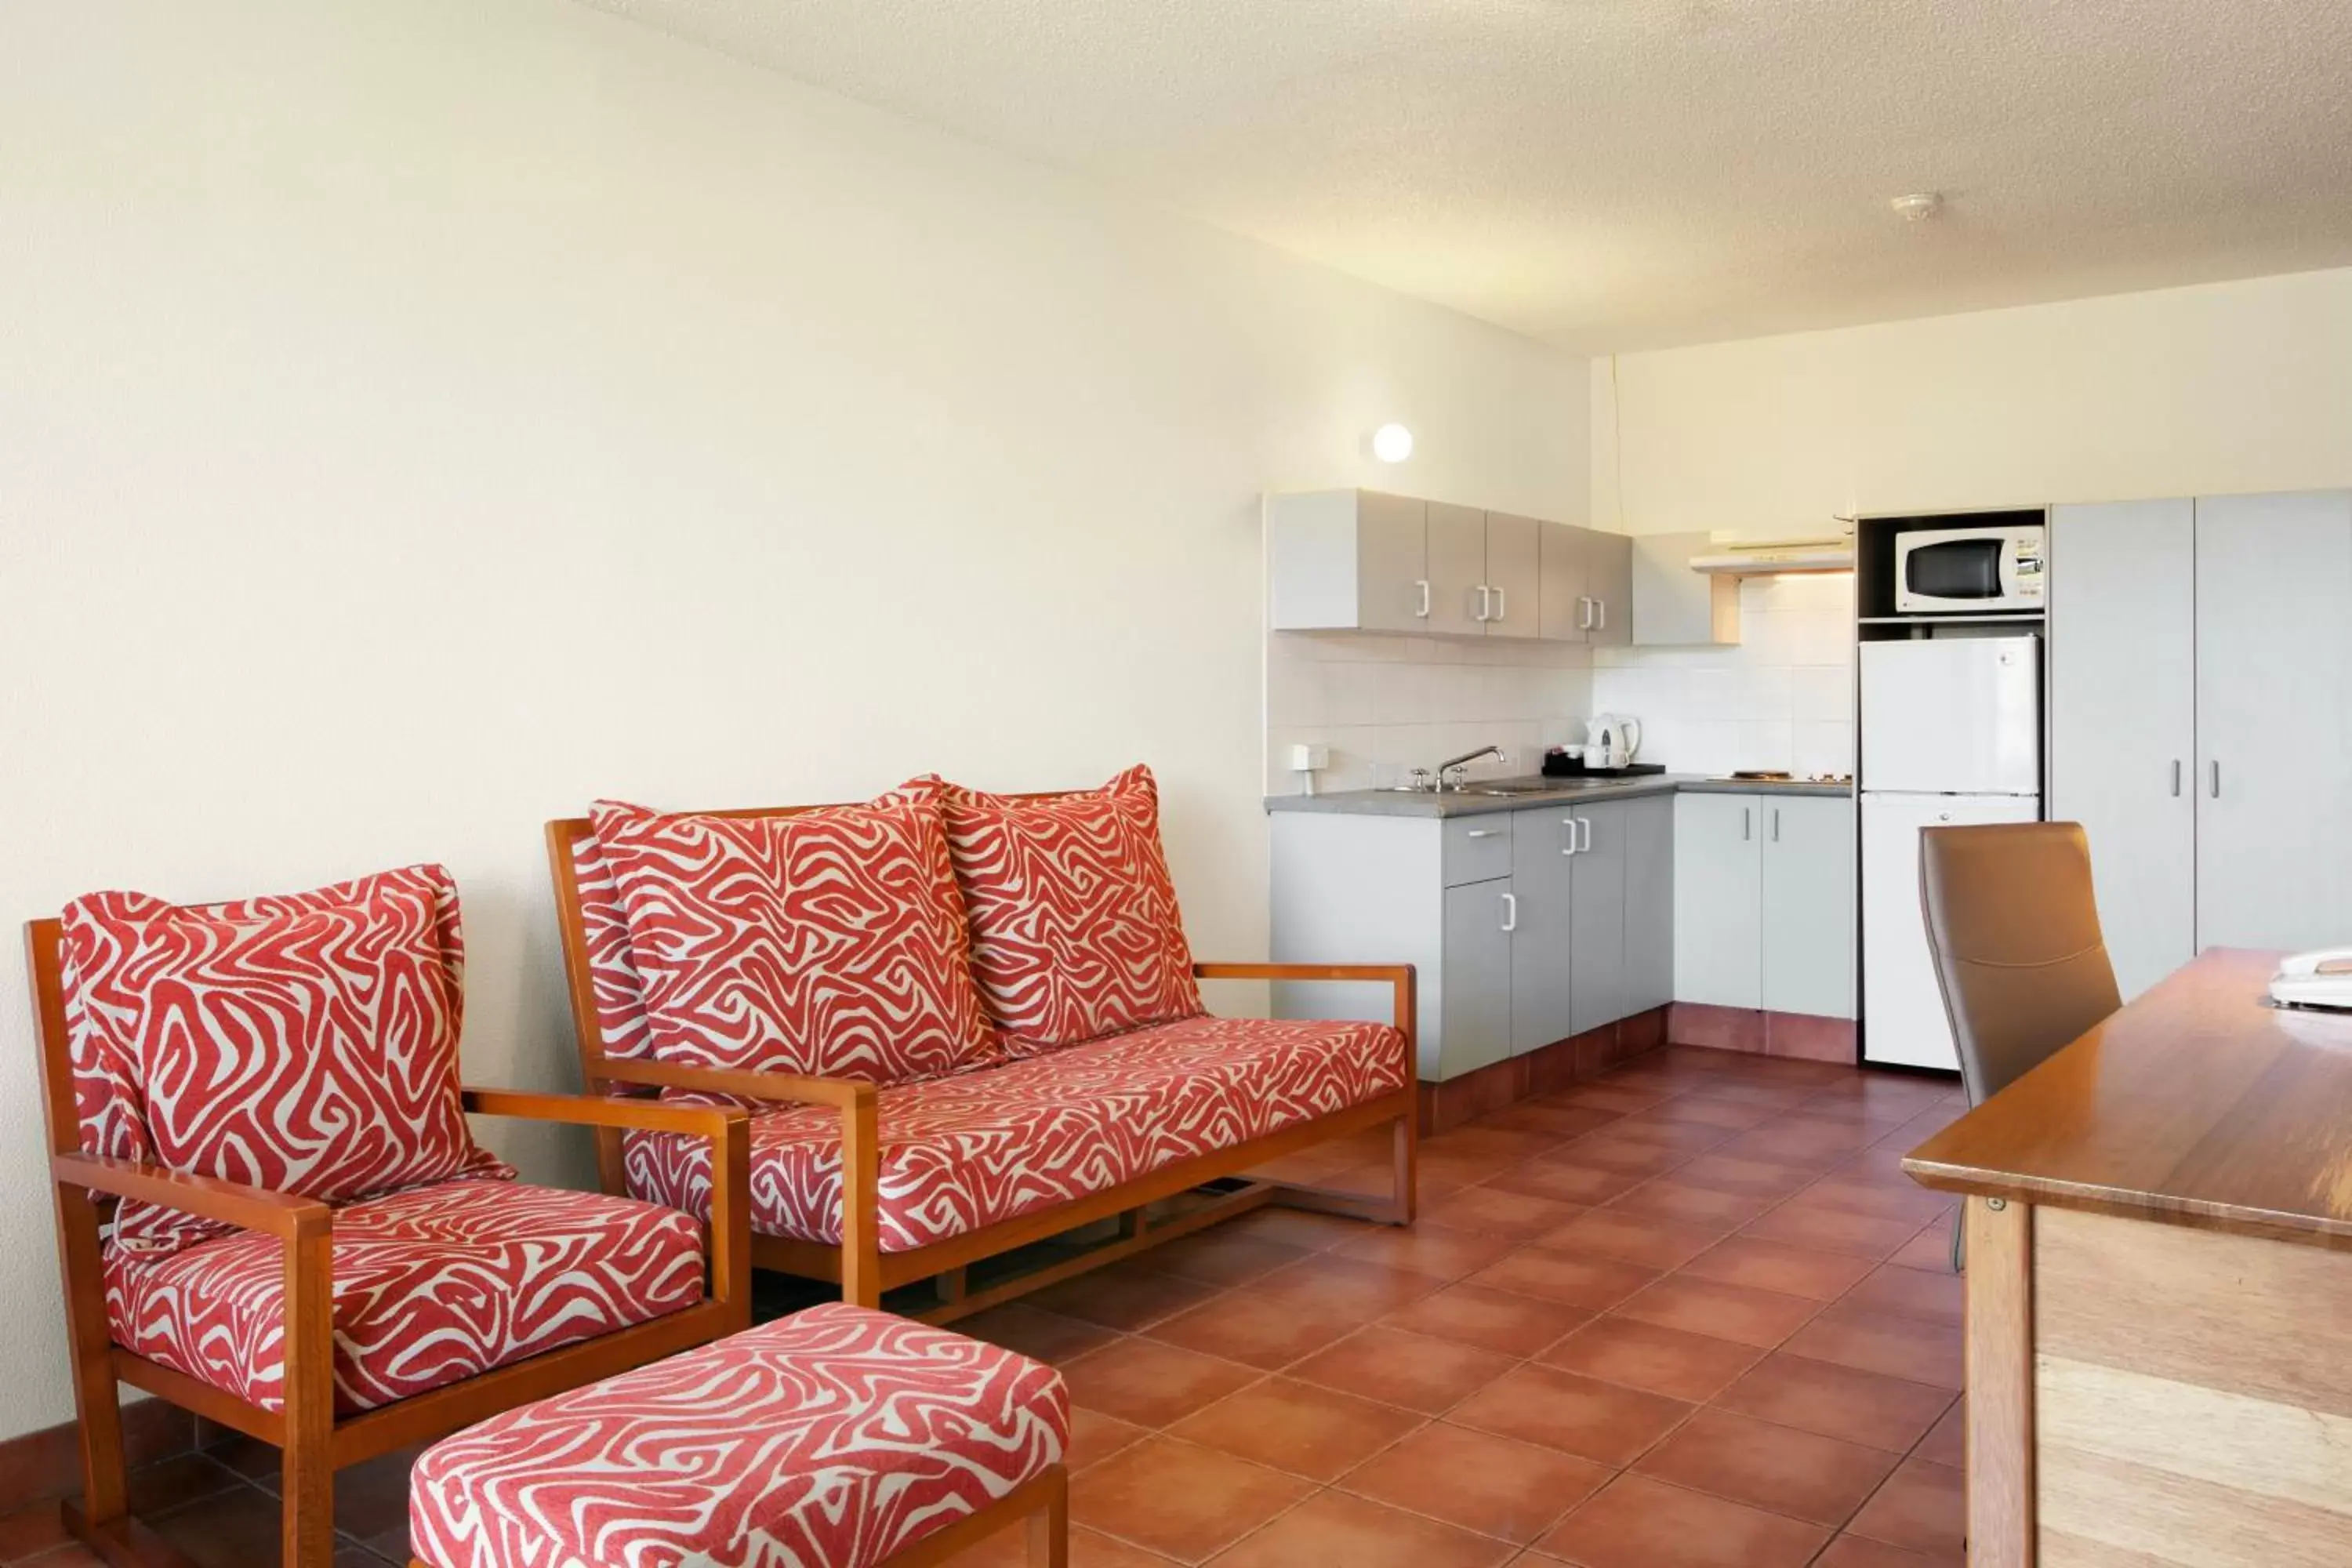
(966, 1022)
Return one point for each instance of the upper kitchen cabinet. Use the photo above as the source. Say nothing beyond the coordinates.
(1564, 607)
(1609, 583)
(1362, 561)
(1455, 591)
(1676, 606)
(1514, 579)
(1348, 560)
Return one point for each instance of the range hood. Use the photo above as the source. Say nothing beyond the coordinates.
(1772, 557)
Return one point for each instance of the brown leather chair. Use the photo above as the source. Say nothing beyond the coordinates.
(2013, 929)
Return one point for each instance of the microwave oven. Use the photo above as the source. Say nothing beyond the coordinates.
(1979, 571)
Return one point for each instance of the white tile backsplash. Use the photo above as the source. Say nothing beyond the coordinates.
(1387, 704)
(1783, 698)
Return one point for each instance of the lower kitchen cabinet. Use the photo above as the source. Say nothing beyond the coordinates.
(1597, 954)
(1649, 902)
(1764, 903)
(1808, 899)
(1575, 933)
(1475, 971)
(1718, 901)
(1543, 883)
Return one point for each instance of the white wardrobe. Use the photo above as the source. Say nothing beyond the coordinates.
(2200, 721)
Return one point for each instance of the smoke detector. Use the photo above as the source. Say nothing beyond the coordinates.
(1917, 204)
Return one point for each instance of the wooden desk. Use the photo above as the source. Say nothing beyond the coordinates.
(2160, 1295)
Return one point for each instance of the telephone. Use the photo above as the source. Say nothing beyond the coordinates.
(2320, 979)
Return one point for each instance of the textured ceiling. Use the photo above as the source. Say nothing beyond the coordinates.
(1615, 174)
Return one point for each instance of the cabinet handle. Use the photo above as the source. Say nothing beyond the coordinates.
(1601, 606)
(1776, 824)
(1746, 823)
(1510, 912)
(1482, 833)
(1502, 604)
(1485, 607)
(1568, 823)
(2215, 766)
(2176, 778)
(1584, 824)
(1422, 583)
(1584, 612)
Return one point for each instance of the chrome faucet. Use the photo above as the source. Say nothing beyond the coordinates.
(1452, 763)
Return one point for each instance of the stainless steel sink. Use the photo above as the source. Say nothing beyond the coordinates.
(1528, 786)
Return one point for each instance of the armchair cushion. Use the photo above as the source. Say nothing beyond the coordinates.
(836, 1438)
(1075, 928)
(829, 942)
(960, 1154)
(431, 1286)
(305, 1043)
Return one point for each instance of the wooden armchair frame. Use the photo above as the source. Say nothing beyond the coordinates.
(859, 1266)
(314, 1441)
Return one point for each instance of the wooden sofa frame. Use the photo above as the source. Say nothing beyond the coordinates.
(313, 1440)
(859, 1266)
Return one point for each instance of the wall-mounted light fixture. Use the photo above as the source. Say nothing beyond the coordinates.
(1392, 443)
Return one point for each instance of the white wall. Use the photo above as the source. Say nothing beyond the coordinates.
(418, 418)
(2226, 387)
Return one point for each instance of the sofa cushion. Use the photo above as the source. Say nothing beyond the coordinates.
(1075, 928)
(835, 1437)
(827, 942)
(963, 1152)
(305, 1043)
(620, 992)
(431, 1286)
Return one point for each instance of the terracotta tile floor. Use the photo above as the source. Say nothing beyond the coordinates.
(1692, 1315)
(1689, 1316)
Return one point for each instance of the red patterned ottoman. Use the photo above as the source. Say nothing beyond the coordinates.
(838, 1438)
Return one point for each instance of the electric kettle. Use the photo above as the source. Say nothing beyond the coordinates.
(1611, 740)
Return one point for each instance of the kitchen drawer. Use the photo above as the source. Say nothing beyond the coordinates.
(1477, 849)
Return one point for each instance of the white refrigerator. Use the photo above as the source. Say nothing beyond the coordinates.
(1951, 732)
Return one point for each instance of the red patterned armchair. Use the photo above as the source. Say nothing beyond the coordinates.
(271, 1210)
(966, 1022)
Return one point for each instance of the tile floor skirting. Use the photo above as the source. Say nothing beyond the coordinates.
(1687, 1315)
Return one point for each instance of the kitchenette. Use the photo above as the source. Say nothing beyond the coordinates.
(1605, 791)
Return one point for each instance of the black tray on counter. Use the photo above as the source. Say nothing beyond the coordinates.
(1560, 768)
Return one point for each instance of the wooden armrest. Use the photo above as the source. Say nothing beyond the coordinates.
(1391, 973)
(784, 1088)
(1398, 977)
(594, 1110)
(281, 1215)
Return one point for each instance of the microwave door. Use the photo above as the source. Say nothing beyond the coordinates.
(1955, 571)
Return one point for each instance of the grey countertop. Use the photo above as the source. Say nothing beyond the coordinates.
(1407, 802)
